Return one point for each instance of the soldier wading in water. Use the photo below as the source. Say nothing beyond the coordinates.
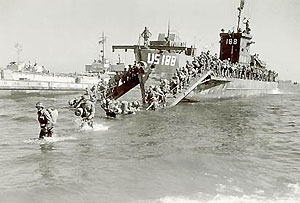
(47, 119)
(86, 111)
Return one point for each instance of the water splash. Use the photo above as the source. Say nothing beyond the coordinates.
(52, 139)
(96, 127)
(277, 91)
(100, 127)
(59, 139)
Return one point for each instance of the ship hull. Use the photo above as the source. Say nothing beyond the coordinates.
(11, 87)
(231, 87)
(41, 85)
(8, 93)
(18, 82)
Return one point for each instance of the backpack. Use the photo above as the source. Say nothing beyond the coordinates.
(54, 114)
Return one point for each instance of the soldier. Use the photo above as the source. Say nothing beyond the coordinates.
(86, 111)
(174, 85)
(126, 108)
(136, 105)
(45, 120)
(146, 34)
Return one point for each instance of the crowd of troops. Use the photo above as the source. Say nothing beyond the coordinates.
(155, 96)
(85, 106)
(101, 92)
(205, 61)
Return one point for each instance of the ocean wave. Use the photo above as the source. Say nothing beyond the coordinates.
(226, 199)
(292, 196)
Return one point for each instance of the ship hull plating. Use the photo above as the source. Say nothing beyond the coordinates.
(10, 87)
(231, 87)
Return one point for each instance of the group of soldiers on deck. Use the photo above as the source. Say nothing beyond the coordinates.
(105, 88)
(205, 61)
(156, 95)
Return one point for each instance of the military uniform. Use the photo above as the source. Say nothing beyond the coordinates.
(45, 121)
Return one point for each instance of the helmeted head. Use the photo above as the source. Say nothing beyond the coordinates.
(78, 111)
(39, 105)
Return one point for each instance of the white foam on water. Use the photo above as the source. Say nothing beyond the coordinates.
(86, 127)
(227, 199)
(276, 91)
(46, 140)
(33, 141)
(100, 127)
(295, 190)
(96, 127)
(292, 196)
(59, 138)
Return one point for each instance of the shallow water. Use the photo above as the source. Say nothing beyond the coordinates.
(229, 150)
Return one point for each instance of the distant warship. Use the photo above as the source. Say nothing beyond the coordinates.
(33, 78)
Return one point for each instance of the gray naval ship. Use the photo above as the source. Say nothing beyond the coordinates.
(235, 72)
(19, 77)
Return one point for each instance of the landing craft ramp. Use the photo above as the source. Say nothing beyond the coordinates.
(199, 83)
(171, 101)
(133, 81)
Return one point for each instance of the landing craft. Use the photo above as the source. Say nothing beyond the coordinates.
(245, 74)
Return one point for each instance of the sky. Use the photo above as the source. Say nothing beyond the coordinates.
(63, 35)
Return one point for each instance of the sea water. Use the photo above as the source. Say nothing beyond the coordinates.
(244, 149)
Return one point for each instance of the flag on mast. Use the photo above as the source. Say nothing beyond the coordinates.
(242, 4)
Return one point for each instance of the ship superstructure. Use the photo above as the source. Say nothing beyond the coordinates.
(166, 53)
(102, 64)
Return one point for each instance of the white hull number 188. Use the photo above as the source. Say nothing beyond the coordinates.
(161, 59)
(231, 41)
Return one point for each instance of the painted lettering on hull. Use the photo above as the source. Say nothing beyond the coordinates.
(161, 59)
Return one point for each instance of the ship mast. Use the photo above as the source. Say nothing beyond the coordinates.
(102, 41)
(168, 37)
(18, 46)
(242, 3)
